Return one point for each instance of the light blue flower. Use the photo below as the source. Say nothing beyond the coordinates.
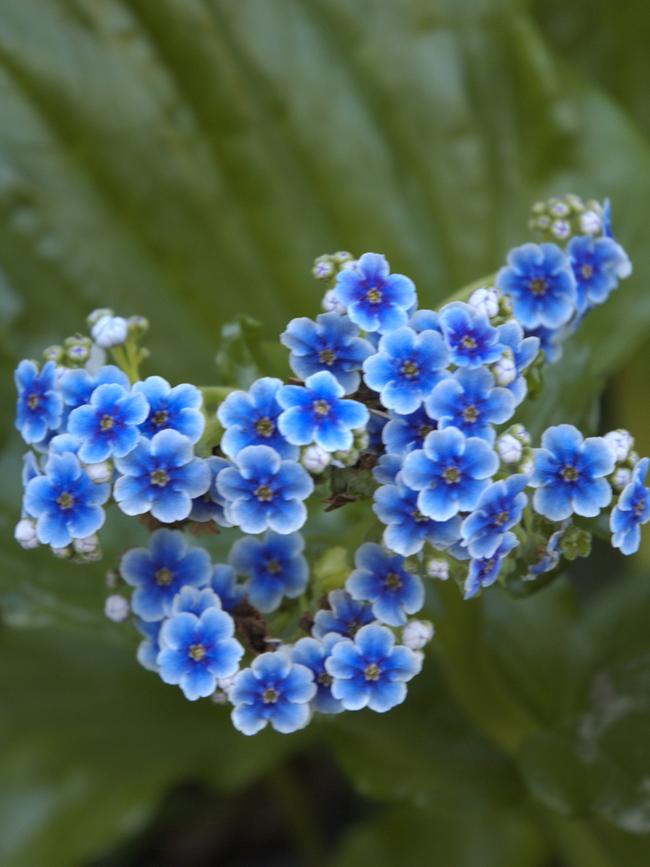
(210, 505)
(375, 299)
(570, 474)
(407, 529)
(631, 511)
(499, 508)
(196, 651)
(274, 567)
(403, 433)
(382, 580)
(273, 690)
(524, 351)
(387, 469)
(541, 285)
(425, 320)
(345, 616)
(39, 406)
(313, 654)
(470, 401)
(472, 341)
(264, 492)
(250, 418)
(406, 368)
(194, 600)
(316, 413)
(550, 341)
(177, 408)
(161, 571)
(598, 264)
(78, 385)
(148, 650)
(371, 671)
(330, 343)
(450, 472)
(225, 585)
(483, 572)
(108, 425)
(162, 476)
(67, 505)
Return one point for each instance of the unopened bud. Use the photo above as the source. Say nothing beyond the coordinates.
(87, 546)
(591, 223)
(417, 634)
(509, 448)
(438, 568)
(622, 477)
(485, 300)
(330, 304)
(323, 269)
(505, 369)
(100, 473)
(62, 553)
(315, 459)
(110, 331)
(621, 443)
(25, 534)
(116, 608)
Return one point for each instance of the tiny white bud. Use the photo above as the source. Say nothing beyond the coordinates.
(622, 477)
(315, 459)
(330, 304)
(110, 331)
(346, 459)
(100, 473)
(94, 317)
(561, 229)
(519, 431)
(438, 568)
(116, 608)
(112, 579)
(225, 684)
(322, 270)
(590, 223)
(485, 299)
(527, 466)
(86, 546)
(510, 448)
(559, 209)
(620, 442)
(25, 534)
(417, 633)
(349, 265)
(505, 369)
(62, 553)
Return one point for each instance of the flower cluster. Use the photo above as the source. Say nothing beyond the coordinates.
(413, 410)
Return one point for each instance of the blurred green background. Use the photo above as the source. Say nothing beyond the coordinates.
(187, 160)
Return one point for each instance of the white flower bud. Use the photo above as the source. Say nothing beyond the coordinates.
(94, 317)
(505, 369)
(590, 223)
(62, 553)
(561, 229)
(510, 448)
(527, 466)
(97, 359)
(622, 477)
(110, 331)
(519, 431)
(330, 304)
(620, 442)
(100, 473)
(225, 684)
(116, 608)
(438, 568)
(315, 459)
(87, 546)
(322, 270)
(25, 534)
(485, 299)
(417, 634)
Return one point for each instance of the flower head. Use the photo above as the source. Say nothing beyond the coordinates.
(598, 264)
(225, 585)
(407, 529)
(375, 299)
(273, 690)
(631, 511)
(39, 406)
(313, 654)
(406, 368)
(264, 492)
(210, 505)
(371, 671)
(540, 282)
(450, 472)
(65, 502)
(382, 580)
(472, 341)
(108, 425)
(499, 508)
(197, 650)
(316, 413)
(484, 571)
(178, 408)
(161, 571)
(162, 476)
(403, 433)
(330, 343)
(77, 385)
(194, 600)
(274, 567)
(250, 418)
(569, 474)
(345, 616)
(470, 401)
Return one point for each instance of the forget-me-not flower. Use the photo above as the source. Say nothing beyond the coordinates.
(108, 425)
(313, 654)
(484, 571)
(472, 341)
(225, 585)
(524, 351)
(178, 408)
(631, 511)
(250, 418)
(407, 529)
(375, 299)
(403, 433)
(470, 401)
(598, 264)
(210, 505)
(382, 580)
(39, 406)
(345, 616)
(78, 384)
(274, 567)
(499, 508)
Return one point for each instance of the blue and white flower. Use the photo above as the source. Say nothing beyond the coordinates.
(225, 585)
(39, 406)
(345, 616)
(382, 580)
(375, 299)
(210, 505)
(194, 600)
(407, 529)
(313, 654)
(498, 510)
(177, 408)
(77, 385)
(524, 351)
(470, 401)
(274, 568)
(472, 341)
(250, 418)
(598, 264)
(403, 433)
(631, 511)
(108, 425)
(484, 571)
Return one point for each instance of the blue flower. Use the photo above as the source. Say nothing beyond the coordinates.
(262, 491)
(39, 406)
(382, 580)
(194, 600)
(274, 567)
(406, 368)
(317, 414)
(598, 264)
(569, 474)
(550, 341)
(425, 320)
(108, 425)
(161, 571)
(631, 511)
(148, 650)
(472, 341)
(375, 300)
(407, 529)
(403, 433)
(178, 408)
(524, 351)
(470, 401)
(78, 385)
(313, 654)
(484, 571)
(273, 690)
(224, 583)
(345, 616)
(387, 469)
(371, 671)
(499, 508)
(540, 282)
(162, 476)
(331, 343)
(250, 418)
(65, 502)
(210, 505)
(196, 651)
(450, 472)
